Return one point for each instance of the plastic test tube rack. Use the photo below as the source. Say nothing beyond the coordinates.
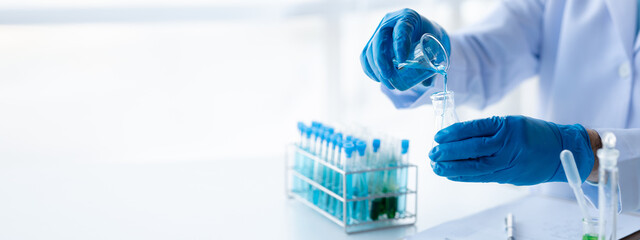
(307, 187)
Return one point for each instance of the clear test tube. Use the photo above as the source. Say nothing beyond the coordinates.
(391, 181)
(337, 152)
(315, 127)
(310, 164)
(377, 179)
(337, 179)
(312, 149)
(362, 206)
(325, 174)
(328, 137)
(306, 162)
(348, 187)
(318, 168)
(403, 177)
(298, 165)
(331, 178)
(320, 144)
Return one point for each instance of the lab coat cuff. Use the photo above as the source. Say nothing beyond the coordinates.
(575, 138)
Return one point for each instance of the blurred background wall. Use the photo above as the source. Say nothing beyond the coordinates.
(188, 80)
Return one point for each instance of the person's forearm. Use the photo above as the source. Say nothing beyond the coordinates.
(596, 144)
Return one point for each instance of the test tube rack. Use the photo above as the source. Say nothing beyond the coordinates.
(344, 220)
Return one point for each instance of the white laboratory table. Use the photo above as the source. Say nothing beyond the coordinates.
(229, 199)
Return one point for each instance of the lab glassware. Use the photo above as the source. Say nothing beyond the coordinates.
(590, 229)
(608, 187)
(429, 57)
(402, 177)
(356, 177)
(444, 109)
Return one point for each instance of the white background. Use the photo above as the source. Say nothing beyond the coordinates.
(94, 93)
(141, 81)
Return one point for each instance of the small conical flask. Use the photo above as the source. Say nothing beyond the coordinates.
(444, 109)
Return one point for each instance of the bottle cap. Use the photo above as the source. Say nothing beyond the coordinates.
(375, 144)
(319, 132)
(405, 146)
(608, 155)
(327, 136)
(308, 131)
(349, 138)
(338, 135)
(361, 146)
(348, 149)
(330, 129)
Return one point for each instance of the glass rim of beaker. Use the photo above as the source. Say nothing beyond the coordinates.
(441, 95)
(592, 225)
(429, 35)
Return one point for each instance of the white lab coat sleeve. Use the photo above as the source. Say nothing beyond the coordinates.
(628, 143)
(488, 59)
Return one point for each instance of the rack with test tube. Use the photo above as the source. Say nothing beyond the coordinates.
(357, 181)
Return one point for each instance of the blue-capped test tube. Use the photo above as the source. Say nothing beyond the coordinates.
(298, 161)
(402, 200)
(306, 162)
(337, 177)
(318, 169)
(298, 184)
(377, 180)
(362, 213)
(328, 131)
(350, 190)
(338, 149)
(312, 165)
(319, 141)
(315, 127)
(325, 174)
(331, 174)
(377, 176)
(375, 160)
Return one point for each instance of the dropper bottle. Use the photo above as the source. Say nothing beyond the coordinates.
(608, 188)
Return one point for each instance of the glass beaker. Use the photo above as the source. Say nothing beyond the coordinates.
(590, 229)
(429, 57)
(444, 109)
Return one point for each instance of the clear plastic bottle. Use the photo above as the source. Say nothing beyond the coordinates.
(608, 187)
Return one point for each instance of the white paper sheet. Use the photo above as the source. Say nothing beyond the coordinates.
(536, 217)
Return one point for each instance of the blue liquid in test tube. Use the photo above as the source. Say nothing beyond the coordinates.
(350, 188)
(402, 200)
(363, 189)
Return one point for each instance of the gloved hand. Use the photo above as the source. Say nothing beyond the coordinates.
(396, 35)
(514, 149)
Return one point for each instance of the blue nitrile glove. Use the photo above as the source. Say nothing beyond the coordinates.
(514, 149)
(394, 37)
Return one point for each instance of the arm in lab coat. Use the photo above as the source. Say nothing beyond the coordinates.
(628, 142)
(489, 59)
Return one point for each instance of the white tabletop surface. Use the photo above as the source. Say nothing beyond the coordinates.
(242, 199)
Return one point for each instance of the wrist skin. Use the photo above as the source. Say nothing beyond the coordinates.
(596, 143)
